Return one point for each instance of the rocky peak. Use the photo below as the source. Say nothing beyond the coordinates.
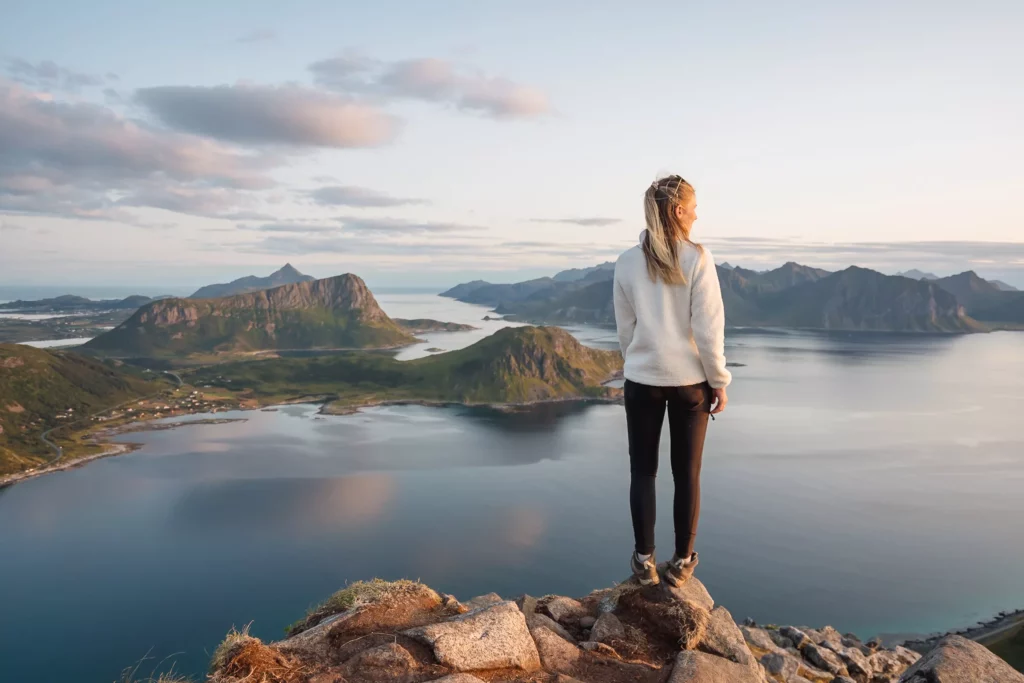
(384, 631)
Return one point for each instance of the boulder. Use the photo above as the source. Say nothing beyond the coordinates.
(779, 639)
(795, 635)
(759, 638)
(692, 590)
(494, 637)
(536, 620)
(564, 610)
(388, 661)
(527, 604)
(905, 655)
(699, 667)
(458, 678)
(958, 660)
(724, 638)
(886, 663)
(681, 620)
(780, 665)
(857, 665)
(824, 659)
(556, 654)
(587, 622)
(483, 601)
(607, 629)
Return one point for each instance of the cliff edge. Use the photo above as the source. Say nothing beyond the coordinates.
(404, 631)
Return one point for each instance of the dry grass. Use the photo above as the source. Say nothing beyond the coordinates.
(231, 641)
(354, 595)
(682, 620)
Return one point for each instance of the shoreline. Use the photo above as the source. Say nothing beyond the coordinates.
(102, 437)
(981, 632)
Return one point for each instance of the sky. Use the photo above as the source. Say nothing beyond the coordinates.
(415, 143)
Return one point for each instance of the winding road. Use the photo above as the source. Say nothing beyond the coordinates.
(59, 451)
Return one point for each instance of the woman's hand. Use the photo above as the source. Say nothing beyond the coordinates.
(719, 400)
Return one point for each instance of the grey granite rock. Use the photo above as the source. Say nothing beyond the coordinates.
(958, 660)
(564, 610)
(759, 638)
(493, 637)
(692, 666)
(824, 659)
(458, 678)
(607, 628)
(483, 601)
(556, 654)
(693, 590)
(587, 622)
(724, 638)
(780, 665)
(795, 635)
(536, 619)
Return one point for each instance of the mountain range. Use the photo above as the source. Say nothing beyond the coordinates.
(513, 365)
(337, 312)
(792, 295)
(287, 275)
(70, 303)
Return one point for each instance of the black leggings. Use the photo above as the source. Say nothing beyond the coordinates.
(688, 412)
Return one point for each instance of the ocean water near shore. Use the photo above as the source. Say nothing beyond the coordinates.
(867, 481)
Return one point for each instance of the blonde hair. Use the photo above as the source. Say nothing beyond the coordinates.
(665, 232)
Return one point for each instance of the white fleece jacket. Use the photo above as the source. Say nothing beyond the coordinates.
(671, 335)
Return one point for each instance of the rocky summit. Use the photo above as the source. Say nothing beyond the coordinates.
(404, 631)
(337, 312)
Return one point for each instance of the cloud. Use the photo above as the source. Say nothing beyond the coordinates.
(586, 222)
(339, 195)
(399, 226)
(277, 115)
(432, 80)
(260, 35)
(213, 202)
(302, 228)
(49, 75)
(77, 158)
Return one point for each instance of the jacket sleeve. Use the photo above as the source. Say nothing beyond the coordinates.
(707, 319)
(625, 315)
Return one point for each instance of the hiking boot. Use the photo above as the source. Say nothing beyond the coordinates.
(678, 571)
(645, 573)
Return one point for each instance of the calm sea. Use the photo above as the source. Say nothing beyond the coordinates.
(872, 482)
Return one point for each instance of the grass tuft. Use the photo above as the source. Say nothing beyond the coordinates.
(231, 641)
(352, 596)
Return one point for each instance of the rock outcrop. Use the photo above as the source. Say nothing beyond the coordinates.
(404, 631)
(958, 660)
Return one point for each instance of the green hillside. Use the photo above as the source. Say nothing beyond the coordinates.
(338, 312)
(38, 385)
(514, 365)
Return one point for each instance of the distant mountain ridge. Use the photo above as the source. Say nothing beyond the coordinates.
(338, 312)
(915, 274)
(792, 295)
(513, 365)
(69, 302)
(287, 275)
(986, 301)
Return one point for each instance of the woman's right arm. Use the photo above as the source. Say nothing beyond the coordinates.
(707, 319)
(625, 315)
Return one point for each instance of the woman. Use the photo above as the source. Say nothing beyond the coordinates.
(671, 325)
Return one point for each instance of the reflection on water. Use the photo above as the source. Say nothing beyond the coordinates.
(285, 505)
(868, 482)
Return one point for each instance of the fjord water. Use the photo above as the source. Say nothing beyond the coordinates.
(872, 482)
